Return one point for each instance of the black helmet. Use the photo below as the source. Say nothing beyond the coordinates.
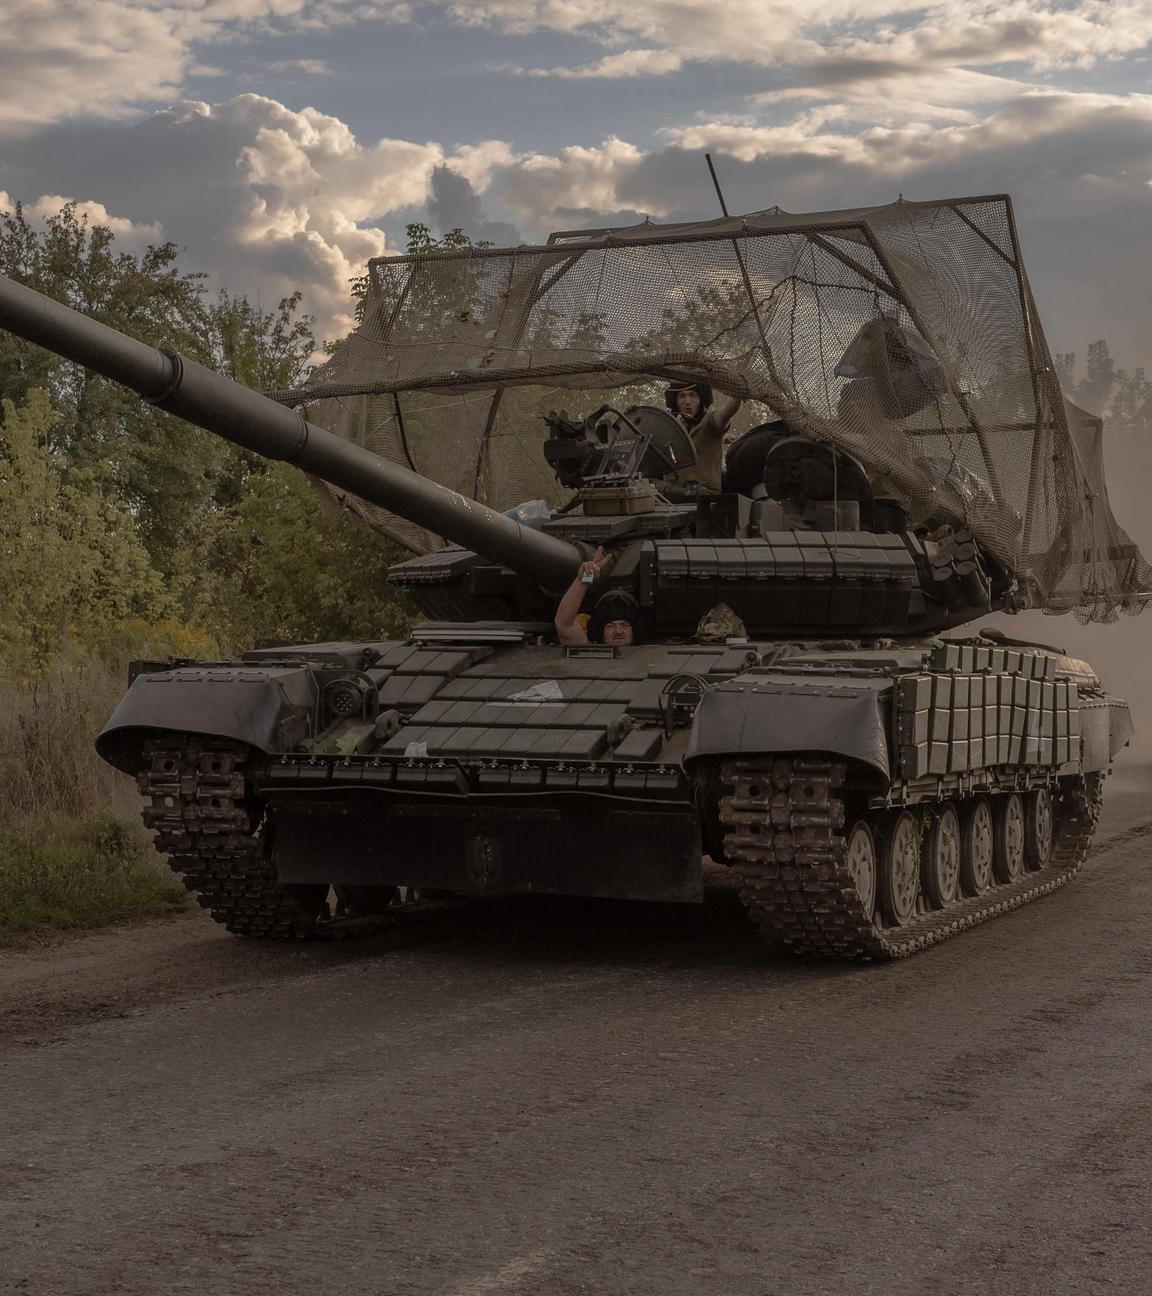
(702, 389)
(616, 605)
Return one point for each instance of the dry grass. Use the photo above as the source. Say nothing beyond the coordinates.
(49, 770)
(72, 850)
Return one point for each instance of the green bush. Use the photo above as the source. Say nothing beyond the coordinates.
(95, 870)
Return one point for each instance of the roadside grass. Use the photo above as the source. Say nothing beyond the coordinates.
(90, 872)
(72, 850)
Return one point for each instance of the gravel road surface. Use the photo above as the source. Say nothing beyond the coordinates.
(569, 1097)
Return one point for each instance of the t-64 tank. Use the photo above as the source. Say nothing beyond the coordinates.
(787, 705)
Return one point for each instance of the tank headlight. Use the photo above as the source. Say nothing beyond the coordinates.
(344, 699)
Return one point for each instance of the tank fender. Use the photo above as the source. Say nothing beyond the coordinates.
(1120, 727)
(269, 708)
(1105, 729)
(751, 715)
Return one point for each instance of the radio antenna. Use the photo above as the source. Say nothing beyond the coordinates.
(747, 279)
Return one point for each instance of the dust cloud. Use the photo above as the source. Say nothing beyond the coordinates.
(1121, 653)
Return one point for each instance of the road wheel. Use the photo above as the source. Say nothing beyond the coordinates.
(976, 847)
(940, 858)
(1008, 837)
(1039, 828)
(899, 875)
(860, 855)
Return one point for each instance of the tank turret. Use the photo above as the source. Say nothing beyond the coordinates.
(800, 560)
(810, 550)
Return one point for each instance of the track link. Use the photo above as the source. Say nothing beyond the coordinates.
(212, 832)
(784, 821)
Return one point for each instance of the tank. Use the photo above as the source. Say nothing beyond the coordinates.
(787, 706)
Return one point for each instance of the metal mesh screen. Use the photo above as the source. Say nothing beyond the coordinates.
(905, 334)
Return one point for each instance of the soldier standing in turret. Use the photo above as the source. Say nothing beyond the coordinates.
(706, 424)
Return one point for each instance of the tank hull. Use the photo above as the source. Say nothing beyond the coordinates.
(479, 768)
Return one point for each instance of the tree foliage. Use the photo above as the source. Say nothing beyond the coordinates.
(98, 425)
(123, 527)
(72, 568)
(285, 566)
(1123, 398)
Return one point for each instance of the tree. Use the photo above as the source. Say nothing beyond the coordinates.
(420, 239)
(164, 475)
(1100, 381)
(282, 563)
(72, 568)
(1124, 401)
(171, 477)
(265, 350)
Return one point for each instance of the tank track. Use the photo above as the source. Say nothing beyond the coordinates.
(210, 829)
(784, 822)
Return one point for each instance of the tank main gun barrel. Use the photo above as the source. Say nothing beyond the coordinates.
(246, 418)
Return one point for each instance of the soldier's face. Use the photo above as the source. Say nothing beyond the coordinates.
(618, 633)
(688, 404)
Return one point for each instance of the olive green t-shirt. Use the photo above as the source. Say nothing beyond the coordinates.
(708, 439)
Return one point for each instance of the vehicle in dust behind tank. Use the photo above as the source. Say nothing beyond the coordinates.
(874, 787)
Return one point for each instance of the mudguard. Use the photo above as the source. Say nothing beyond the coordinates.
(1120, 728)
(753, 715)
(1105, 729)
(269, 708)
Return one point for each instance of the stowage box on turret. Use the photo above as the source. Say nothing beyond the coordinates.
(782, 700)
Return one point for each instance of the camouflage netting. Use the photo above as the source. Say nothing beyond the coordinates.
(905, 334)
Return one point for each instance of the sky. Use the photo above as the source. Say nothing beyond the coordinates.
(280, 143)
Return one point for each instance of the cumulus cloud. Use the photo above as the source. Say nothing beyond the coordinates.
(453, 203)
(266, 198)
(894, 58)
(629, 63)
(132, 235)
(577, 178)
(299, 67)
(304, 193)
(1034, 32)
(1022, 128)
(885, 92)
(477, 163)
(977, 32)
(59, 58)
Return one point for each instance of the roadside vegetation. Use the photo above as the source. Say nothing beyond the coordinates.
(125, 534)
(72, 850)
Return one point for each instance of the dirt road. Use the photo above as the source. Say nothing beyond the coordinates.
(568, 1097)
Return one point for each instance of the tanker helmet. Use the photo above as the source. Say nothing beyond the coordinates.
(616, 605)
(702, 389)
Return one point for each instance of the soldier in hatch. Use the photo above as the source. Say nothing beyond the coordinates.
(615, 618)
(706, 424)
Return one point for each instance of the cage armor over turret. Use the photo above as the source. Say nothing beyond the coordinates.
(788, 707)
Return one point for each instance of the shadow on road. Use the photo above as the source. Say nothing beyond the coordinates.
(570, 932)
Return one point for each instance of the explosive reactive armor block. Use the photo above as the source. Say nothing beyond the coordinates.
(952, 721)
